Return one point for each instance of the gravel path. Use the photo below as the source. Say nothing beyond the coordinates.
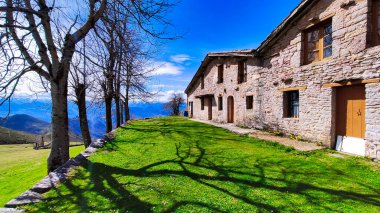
(298, 145)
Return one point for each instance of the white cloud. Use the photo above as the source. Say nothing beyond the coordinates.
(165, 68)
(30, 86)
(180, 58)
(164, 96)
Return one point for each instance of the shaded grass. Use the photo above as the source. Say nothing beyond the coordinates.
(173, 164)
(21, 167)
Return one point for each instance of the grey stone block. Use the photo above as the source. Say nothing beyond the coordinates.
(11, 210)
(25, 198)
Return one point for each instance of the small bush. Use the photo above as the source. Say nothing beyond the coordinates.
(278, 133)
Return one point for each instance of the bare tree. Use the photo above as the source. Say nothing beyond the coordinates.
(118, 72)
(39, 36)
(125, 52)
(80, 83)
(34, 39)
(108, 38)
(174, 104)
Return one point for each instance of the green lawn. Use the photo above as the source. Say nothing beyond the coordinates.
(21, 167)
(173, 164)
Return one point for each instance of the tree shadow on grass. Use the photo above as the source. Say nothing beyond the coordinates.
(107, 189)
(102, 192)
(104, 183)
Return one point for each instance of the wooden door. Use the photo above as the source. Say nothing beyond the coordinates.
(230, 109)
(350, 111)
(191, 109)
(210, 108)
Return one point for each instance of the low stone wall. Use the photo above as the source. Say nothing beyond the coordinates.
(53, 179)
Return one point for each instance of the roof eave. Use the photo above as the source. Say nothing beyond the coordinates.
(209, 57)
(275, 34)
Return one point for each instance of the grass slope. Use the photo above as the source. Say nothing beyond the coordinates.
(21, 167)
(8, 136)
(173, 164)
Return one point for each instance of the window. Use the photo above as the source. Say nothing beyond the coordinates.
(220, 73)
(249, 102)
(318, 42)
(375, 23)
(202, 82)
(220, 103)
(202, 103)
(242, 72)
(291, 104)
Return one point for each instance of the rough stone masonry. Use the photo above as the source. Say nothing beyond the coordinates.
(278, 65)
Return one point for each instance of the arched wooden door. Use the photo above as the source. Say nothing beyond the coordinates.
(230, 109)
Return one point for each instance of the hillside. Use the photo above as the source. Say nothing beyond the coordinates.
(29, 125)
(26, 123)
(8, 136)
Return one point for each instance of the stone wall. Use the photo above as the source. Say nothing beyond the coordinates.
(373, 120)
(351, 60)
(281, 66)
(229, 87)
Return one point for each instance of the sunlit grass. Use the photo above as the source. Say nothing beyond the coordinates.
(173, 164)
(21, 167)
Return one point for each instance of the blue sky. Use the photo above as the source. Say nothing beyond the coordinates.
(205, 26)
(212, 25)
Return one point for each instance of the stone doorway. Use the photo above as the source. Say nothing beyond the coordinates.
(350, 119)
(230, 109)
(210, 108)
(191, 109)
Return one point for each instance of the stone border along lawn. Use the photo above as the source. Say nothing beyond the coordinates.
(174, 164)
(21, 167)
(55, 178)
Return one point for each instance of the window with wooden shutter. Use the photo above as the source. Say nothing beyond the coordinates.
(220, 73)
(318, 42)
(242, 72)
(375, 23)
(249, 102)
(220, 103)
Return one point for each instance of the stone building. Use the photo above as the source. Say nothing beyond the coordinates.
(316, 75)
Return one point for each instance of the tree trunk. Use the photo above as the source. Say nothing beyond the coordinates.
(117, 106)
(126, 103)
(59, 125)
(109, 97)
(108, 102)
(80, 92)
(126, 111)
(121, 111)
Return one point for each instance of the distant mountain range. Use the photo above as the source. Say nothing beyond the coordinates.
(34, 116)
(26, 123)
(34, 127)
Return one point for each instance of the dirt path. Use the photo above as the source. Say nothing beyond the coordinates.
(298, 145)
